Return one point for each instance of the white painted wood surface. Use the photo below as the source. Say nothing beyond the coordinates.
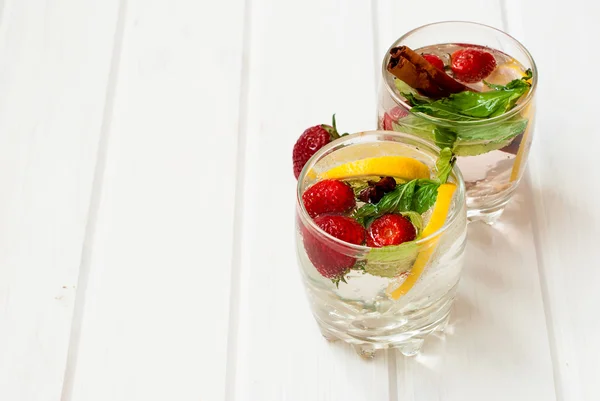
(54, 66)
(565, 194)
(500, 340)
(145, 166)
(280, 352)
(155, 321)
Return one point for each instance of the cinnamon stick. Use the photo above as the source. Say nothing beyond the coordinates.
(412, 68)
(416, 78)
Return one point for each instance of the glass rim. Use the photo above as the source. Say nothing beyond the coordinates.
(453, 213)
(445, 121)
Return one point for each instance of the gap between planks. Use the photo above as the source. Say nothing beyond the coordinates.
(94, 206)
(238, 211)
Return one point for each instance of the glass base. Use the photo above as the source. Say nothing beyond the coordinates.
(409, 344)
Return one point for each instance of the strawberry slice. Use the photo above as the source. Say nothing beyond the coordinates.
(435, 61)
(393, 116)
(390, 229)
(328, 196)
(329, 262)
(472, 64)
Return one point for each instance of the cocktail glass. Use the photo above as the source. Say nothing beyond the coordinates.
(392, 297)
(492, 152)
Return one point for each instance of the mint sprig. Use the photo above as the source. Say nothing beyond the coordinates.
(417, 195)
(396, 201)
(467, 139)
(472, 106)
(444, 164)
(411, 199)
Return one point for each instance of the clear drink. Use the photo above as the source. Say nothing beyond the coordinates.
(391, 296)
(492, 151)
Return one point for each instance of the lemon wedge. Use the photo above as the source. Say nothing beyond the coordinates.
(503, 73)
(517, 166)
(388, 166)
(437, 220)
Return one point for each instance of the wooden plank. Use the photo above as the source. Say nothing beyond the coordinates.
(566, 216)
(155, 324)
(497, 345)
(307, 60)
(54, 63)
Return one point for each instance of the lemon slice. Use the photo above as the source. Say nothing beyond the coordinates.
(388, 166)
(517, 166)
(505, 73)
(437, 220)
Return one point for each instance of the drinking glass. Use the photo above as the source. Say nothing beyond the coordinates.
(396, 300)
(492, 153)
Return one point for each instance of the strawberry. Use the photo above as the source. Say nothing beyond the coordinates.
(390, 229)
(472, 64)
(311, 140)
(328, 196)
(331, 263)
(393, 116)
(435, 61)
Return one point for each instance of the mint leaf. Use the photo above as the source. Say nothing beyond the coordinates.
(467, 139)
(469, 106)
(366, 213)
(425, 196)
(399, 200)
(439, 109)
(444, 137)
(391, 261)
(413, 124)
(416, 219)
(496, 132)
(407, 192)
(460, 138)
(444, 164)
(416, 196)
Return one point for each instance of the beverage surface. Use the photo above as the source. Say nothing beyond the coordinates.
(505, 68)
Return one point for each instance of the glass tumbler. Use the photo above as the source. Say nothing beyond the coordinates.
(492, 153)
(394, 299)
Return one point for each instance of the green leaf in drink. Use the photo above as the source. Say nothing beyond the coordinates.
(466, 131)
(444, 164)
(416, 219)
(391, 261)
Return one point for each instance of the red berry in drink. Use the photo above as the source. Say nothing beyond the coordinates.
(472, 64)
(435, 61)
(390, 229)
(393, 115)
(328, 260)
(328, 196)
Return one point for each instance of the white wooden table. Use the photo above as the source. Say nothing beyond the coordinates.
(147, 197)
